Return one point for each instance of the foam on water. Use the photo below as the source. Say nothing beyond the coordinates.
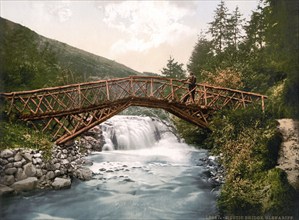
(132, 132)
(147, 174)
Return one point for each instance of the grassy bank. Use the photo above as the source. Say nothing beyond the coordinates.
(20, 135)
(249, 142)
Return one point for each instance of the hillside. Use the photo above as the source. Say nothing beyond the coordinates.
(29, 61)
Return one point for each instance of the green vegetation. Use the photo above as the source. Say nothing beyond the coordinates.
(30, 61)
(192, 134)
(249, 142)
(173, 69)
(263, 52)
(20, 135)
(260, 55)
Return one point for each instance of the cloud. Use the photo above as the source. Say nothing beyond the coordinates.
(61, 9)
(56, 9)
(145, 24)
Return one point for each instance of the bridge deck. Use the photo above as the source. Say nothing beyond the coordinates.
(69, 110)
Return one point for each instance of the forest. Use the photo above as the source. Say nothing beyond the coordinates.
(259, 55)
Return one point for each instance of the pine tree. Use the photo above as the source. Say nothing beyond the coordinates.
(173, 69)
(235, 27)
(218, 28)
(255, 30)
(202, 58)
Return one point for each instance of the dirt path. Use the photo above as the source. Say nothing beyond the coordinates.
(289, 152)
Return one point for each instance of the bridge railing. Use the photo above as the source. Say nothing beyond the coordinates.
(85, 96)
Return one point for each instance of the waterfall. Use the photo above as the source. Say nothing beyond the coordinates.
(123, 132)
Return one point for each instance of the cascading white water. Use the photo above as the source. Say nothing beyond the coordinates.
(151, 175)
(133, 132)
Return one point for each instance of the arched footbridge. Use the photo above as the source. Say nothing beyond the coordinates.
(67, 111)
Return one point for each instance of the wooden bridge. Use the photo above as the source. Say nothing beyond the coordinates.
(70, 110)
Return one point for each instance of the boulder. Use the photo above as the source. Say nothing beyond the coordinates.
(18, 164)
(30, 170)
(27, 156)
(3, 161)
(11, 171)
(50, 166)
(39, 173)
(57, 166)
(50, 175)
(7, 180)
(20, 175)
(37, 155)
(18, 157)
(25, 185)
(83, 173)
(5, 190)
(61, 183)
(6, 153)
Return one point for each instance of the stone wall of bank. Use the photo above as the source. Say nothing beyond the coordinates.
(28, 169)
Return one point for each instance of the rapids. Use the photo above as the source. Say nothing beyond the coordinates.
(144, 172)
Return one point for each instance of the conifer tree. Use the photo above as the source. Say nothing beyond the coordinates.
(218, 28)
(235, 27)
(173, 69)
(202, 58)
(255, 30)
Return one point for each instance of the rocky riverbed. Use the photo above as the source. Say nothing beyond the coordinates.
(27, 169)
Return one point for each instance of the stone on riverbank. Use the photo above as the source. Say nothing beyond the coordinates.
(83, 174)
(19, 164)
(6, 153)
(25, 185)
(61, 183)
(5, 190)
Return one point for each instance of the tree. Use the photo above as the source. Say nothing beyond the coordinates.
(235, 27)
(218, 28)
(227, 77)
(202, 57)
(255, 30)
(173, 69)
(282, 51)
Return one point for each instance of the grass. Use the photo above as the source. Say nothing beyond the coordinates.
(15, 135)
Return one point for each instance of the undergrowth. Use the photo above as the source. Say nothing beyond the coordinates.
(249, 143)
(19, 135)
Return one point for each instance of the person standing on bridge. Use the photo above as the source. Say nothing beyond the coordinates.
(191, 80)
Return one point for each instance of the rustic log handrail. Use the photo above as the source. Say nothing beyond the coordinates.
(71, 109)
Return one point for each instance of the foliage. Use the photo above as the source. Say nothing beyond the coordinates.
(218, 28)
(30, 61)
(192, 134)
(173, 69)
(263, 51)
(249, 143)
(227, 77)
(20, 135)
(202, 58)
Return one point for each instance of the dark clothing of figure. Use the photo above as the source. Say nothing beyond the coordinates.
(192, 85)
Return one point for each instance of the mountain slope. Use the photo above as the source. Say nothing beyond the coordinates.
(30, 61)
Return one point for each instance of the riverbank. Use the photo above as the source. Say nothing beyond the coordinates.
(249, 142)
(29, 169)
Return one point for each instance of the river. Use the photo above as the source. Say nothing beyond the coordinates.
(144, 173)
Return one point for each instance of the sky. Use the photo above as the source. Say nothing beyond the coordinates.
(139, 34)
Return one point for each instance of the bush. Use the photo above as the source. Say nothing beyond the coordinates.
(249, 143)
(19, 135)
